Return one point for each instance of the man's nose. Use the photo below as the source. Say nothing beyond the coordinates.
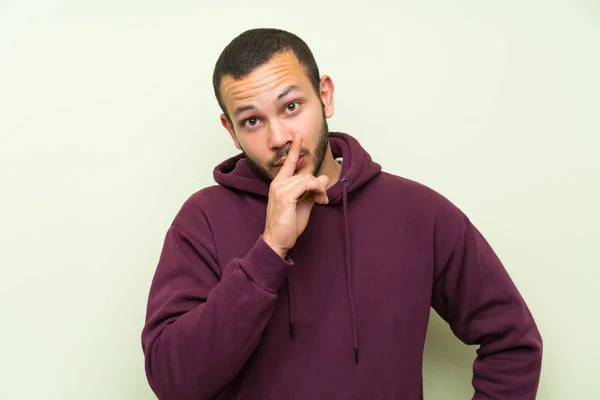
(279, 135)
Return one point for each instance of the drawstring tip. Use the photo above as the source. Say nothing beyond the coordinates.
(356, 356)
(292, 330)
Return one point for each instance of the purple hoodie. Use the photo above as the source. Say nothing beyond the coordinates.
(344, 316)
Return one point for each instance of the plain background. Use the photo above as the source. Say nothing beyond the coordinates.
(108, 123)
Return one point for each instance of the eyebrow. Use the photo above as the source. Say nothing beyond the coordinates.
(241, 109)
(292, 88)
(288, 90)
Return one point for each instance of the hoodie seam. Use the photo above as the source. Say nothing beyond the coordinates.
(460, 234)
(174, 225)
(212, 237)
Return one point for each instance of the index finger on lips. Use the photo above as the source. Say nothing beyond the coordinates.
(289, 166)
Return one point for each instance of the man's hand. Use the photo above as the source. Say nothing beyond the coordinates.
(291, 199)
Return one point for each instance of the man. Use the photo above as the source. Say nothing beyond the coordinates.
(309, 273)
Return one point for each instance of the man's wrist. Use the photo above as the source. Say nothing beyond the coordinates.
(282, 253)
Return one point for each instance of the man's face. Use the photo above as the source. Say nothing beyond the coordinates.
(270, 107)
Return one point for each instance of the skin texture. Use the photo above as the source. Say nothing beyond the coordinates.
(275, 117)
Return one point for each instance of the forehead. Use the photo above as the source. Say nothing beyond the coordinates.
(263, 84)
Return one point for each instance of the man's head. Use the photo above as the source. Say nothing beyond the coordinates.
(268, 86)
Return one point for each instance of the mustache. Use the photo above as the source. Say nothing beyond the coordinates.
(279, 154)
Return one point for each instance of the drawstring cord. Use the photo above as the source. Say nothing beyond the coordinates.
(349, 286)
(288, 282)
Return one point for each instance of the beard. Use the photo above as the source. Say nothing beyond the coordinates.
(318, 158)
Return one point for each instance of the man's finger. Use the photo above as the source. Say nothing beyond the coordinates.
(308, 185)
(289, 166)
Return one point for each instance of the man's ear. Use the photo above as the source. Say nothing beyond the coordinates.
(326, 88)
(227, 125)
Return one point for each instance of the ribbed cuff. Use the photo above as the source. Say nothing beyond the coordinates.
(265, 267)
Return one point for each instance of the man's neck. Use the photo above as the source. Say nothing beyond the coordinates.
(331, 168)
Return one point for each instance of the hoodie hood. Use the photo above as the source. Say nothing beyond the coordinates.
(358, 168)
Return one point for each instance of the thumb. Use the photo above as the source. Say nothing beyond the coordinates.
(324, 179)
(322, 197)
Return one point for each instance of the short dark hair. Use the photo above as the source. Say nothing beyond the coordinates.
(255, 47)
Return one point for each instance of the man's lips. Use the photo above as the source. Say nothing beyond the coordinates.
(282, 161)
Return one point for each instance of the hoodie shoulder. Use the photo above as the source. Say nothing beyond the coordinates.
(423, 202)
(195, 211)
(414, 191)
(428, 211)
(209, 196)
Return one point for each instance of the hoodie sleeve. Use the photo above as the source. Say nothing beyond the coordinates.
(475, 295)
(201, 326)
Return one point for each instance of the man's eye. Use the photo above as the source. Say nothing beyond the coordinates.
(292, 106)
(251, 122)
